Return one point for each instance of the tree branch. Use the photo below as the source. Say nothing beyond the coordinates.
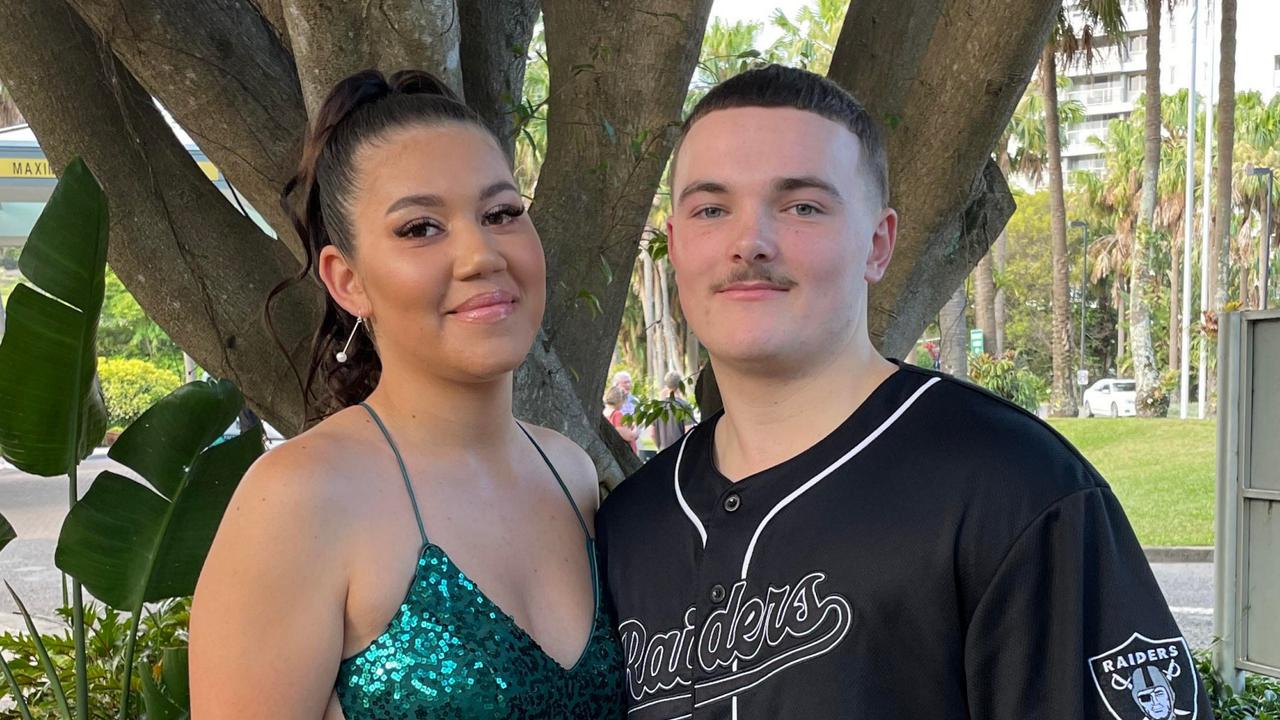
(217, 266)
(495, 42)
(332, 40)
(219, 67)
(943, 96)
(618, 81)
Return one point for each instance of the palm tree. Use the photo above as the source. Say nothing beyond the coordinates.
(1142, 351)
(809, 39)
(1226, 147)
(1021, 150)
(1069, 43)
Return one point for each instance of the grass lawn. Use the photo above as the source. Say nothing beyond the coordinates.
(1163, 471)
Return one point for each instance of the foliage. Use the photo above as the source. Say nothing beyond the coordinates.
(163, 627)
(1004, 376)
(126, 331)
(130, 386)
(1259, 701)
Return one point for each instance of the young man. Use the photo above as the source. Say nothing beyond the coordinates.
(853, 537)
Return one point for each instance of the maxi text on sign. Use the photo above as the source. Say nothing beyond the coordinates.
(38, 168)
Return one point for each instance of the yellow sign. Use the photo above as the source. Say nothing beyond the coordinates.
(38, 168)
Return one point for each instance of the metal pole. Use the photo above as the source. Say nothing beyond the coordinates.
(1203, 384)
(1265, 250)
(1184, 377)
(1084, 297)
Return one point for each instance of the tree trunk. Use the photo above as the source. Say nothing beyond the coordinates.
(984, 299)
(668, 323)
(925, 88)
(619, 74)
(1117, 290)
(1221, 230)
(648, 303)
(1062, 401)
(955, 335)
(1142, 350)
(1001, 258)
(1175, 306)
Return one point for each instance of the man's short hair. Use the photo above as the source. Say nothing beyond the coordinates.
(778, 86)
(620, 376)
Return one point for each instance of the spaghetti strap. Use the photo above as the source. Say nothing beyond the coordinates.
(572, 503)
(404, 473)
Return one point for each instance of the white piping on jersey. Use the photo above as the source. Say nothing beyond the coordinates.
(659, 701)
(751, 548)
(680, 495)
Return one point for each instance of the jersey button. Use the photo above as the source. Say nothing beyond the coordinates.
(732, 503)
(717, 593)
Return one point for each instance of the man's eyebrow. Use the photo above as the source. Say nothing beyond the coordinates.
(416, 200)
(807, 182)
(707, 186)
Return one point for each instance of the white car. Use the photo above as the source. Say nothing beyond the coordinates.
(1111, 397)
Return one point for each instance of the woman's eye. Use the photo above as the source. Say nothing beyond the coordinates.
(419, 229)
(503, 215)
(710, 213)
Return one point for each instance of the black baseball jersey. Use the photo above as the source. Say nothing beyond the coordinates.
(941, 554)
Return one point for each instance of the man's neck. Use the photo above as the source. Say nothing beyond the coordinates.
(768, 420)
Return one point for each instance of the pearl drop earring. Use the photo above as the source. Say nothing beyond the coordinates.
(342, 354)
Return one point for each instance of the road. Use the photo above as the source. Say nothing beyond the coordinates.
(36, 507)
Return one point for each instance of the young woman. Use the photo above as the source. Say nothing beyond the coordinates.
(420, 477)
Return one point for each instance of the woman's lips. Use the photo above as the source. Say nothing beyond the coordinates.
(486, 307)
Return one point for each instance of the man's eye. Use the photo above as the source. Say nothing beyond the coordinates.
(710, 213)
(806, 210)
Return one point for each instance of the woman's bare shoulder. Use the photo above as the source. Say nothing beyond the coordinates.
(573, 464)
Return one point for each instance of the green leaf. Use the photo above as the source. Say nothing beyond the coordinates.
(129, 544)
(51, 409)
(169, 702)
(14, 690)
(609, 131)
(608, 273)
(59, 696)
(7, 533)
(593, 302)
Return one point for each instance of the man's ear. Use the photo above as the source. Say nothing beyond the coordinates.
(342, 281)
(882, 244)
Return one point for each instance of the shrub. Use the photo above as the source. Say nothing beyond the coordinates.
(130, 386)
(1003, 376)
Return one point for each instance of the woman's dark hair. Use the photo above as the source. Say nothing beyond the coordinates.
(359, 109)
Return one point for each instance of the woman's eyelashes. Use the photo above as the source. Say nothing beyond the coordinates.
(419, 228)
(503, 214)
(428, 227)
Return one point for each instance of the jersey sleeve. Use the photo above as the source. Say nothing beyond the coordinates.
(1074, 626)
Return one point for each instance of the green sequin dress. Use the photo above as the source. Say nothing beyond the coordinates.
(450, 652)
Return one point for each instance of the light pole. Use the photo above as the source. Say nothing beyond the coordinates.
(1264, 252)
(1084, 287)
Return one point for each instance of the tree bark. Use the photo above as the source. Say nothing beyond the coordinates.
(1142, 349)
(955, 335)
(1175, 303)
(1062, 401)
(1221, 230)
(495, 42)
(1000, 255)
(984, 299)
(331, 40)
(668, 323)
(944, 91)
(648, 297)
(618, 78)
(164, 211)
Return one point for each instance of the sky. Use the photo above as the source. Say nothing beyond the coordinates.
(755, 10)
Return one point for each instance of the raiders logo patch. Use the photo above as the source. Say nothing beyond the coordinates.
(1145, 679)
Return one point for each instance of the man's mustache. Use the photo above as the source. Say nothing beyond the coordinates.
(755, 273)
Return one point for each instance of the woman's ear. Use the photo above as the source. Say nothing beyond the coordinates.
(342, 281)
